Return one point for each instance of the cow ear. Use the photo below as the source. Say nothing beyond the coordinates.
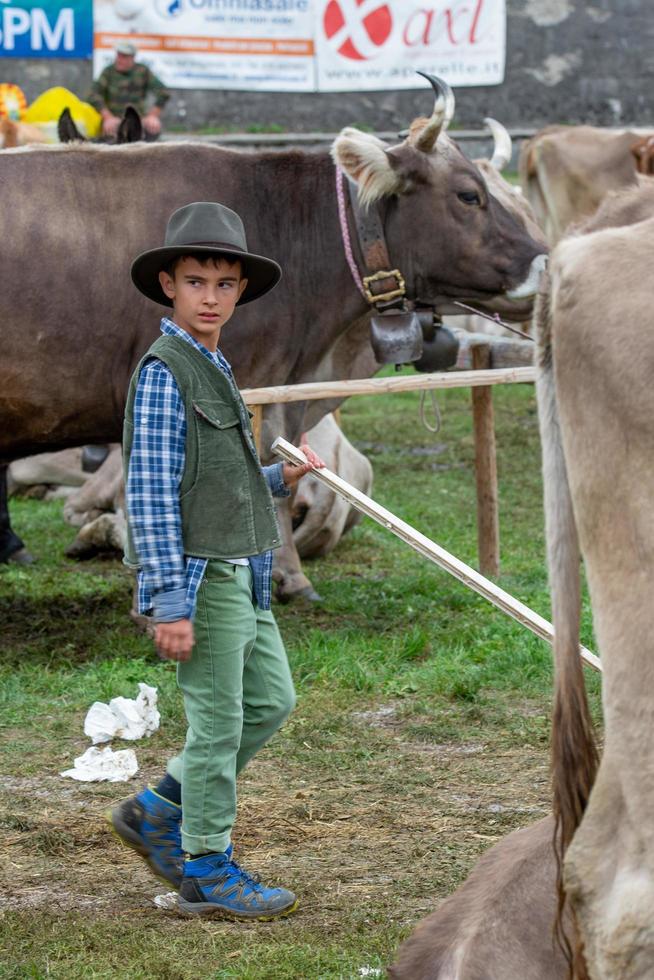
(366, 161)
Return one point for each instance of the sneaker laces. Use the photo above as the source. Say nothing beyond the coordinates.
(254, 881)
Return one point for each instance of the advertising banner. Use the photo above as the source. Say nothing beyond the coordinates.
(46, 29)
(308, 45)
(379, 44)
(266, 45)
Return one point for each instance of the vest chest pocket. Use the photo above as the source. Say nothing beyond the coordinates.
(219, 433)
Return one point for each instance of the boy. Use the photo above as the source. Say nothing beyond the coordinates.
(201, 526)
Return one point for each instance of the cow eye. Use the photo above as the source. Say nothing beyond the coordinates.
(469, 197)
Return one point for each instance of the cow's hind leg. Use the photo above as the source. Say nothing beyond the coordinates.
(11, 546)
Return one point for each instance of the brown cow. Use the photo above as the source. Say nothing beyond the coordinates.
(596, 403)
(498, 925)
(565, 172)
(96, 207)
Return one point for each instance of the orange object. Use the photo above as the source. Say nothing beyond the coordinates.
(12, 101)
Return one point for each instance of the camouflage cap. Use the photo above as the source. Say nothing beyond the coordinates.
(125, 47)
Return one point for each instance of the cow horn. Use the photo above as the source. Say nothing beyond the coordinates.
(503, 148)
(441, 115)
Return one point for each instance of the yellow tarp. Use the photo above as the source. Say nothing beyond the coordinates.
(50, 104)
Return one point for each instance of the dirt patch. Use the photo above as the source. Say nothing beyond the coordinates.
(363, 830)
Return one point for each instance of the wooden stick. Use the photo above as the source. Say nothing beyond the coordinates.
(425, 546)
(488, 521)
(379, 386)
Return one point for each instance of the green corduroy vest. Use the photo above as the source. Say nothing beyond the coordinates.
(226, 506)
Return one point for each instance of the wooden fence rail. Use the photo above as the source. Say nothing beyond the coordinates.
(384, 386)
(480, 381)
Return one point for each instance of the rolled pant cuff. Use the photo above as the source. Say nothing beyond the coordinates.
(194, 844)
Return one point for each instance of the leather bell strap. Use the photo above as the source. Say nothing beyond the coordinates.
(383, 286)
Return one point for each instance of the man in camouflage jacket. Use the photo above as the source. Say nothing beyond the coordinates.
(127, 82)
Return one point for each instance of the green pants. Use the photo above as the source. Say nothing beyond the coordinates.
(237, 691)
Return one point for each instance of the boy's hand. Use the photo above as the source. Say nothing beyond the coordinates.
(174, 641)
(292, 473)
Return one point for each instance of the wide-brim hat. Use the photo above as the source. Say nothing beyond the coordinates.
(205, 227)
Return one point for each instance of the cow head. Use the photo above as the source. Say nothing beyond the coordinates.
(447, 232)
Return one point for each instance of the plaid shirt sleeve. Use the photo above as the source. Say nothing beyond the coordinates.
(274, 477)
(156, 466)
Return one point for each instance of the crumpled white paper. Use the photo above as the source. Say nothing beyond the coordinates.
(126, 718)
(104, 765)
(166, 901)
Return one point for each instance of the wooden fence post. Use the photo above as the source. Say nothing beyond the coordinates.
(257, 421)
(488, 526)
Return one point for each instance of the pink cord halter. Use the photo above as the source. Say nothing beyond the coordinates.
(345, 231)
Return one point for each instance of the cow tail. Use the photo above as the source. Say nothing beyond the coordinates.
(574, 757)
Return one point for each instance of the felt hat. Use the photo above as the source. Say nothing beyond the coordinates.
(125, 47)
(205, 227)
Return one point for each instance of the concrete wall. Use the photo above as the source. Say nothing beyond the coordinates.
(567, 61)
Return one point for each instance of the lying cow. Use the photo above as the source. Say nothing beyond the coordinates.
(320, 516)
(96, 502)
(499, 924)
(98, 509)
(93, 490)
(48, 475)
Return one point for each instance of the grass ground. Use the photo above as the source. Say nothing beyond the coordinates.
(419, 739)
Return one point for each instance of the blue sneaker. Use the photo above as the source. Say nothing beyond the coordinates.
(151, 826)
(214, 885)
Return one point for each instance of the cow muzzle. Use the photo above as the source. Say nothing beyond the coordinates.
(529, 286)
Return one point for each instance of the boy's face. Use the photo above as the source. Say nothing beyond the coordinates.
(204, 296)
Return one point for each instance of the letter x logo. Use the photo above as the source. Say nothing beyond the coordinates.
(357, 29)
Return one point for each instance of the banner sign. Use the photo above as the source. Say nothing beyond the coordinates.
(379, 44)
(307, 45)
(46, 29)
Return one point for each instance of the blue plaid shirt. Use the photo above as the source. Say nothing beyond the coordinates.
(168, 580)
